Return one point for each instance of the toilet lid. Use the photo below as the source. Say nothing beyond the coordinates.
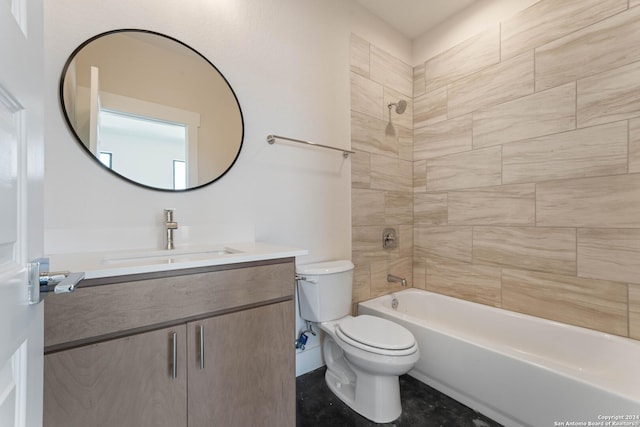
(376, 332)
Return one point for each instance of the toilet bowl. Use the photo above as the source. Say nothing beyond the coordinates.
(365, 376)
(364, 354)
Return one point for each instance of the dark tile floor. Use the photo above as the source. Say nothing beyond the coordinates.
(422, 406)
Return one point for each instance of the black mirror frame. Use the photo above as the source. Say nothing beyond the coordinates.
(95, 159)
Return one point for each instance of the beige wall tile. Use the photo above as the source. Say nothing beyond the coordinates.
(419, 83)
(430, 208)
(634, 310)
(368, 134)
(634, 145)
(430, 108)
(609, 96)
(419, 176)
(360, 170)
(503, 205)
(419, 274)
(402, 267)
(550, 19)
(588, 303)
(440, 139)
(594, 151)
(633, 3)
(477, 168)
(367, 96)
(398, 208)
(405, 242)
(391, 72)
(388, 173)
(463, 59)
(551, 250)
(612, 202)
(534, 115)
(367, 207)
(478, 283)
(405, 119)
(493, 85)
(446, 242)
(361, 283)
(366, 245)
(610, 254)
(359, 55)
(404, 139)
(602, 46)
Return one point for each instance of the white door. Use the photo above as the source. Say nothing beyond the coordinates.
(21, 210)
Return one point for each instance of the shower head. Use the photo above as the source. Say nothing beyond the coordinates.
(400, 106)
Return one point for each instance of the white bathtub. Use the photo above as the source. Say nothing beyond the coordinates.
(516, 369)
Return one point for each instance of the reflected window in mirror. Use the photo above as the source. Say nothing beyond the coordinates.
(106, 159)
(150, 77)
(142, 147)
(179, 175)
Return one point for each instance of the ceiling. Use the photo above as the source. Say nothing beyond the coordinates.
(414, 17)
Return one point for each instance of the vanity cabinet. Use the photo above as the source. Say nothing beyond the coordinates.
(244, 378)
(232, 332)
(122, 382)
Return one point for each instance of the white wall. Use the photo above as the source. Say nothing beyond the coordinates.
(288, 61)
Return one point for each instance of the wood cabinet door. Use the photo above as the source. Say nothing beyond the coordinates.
(123, 382)
(248, 375)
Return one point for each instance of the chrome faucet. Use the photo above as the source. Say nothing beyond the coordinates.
(170, 225)
(395, 279)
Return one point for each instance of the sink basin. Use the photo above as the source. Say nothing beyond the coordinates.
(174, 255)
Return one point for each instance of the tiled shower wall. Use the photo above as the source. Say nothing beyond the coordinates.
(381, 168)
(527, 166)
(525, 152)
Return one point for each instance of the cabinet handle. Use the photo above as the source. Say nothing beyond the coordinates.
(201, 328)
(174, 355)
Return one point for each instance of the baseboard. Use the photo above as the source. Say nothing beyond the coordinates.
(309, 359)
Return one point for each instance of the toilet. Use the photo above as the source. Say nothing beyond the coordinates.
(364, 354)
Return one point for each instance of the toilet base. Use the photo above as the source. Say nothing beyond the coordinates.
(374, 396)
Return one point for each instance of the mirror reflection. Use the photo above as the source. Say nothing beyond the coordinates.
(152, 110)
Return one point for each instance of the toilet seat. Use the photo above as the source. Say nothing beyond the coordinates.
(376, 335)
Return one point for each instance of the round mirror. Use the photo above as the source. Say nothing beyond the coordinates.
(152, 110)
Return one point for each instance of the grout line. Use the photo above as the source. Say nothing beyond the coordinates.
(501, 281)
(628, 310)
(575, 111)
(628, 146)
(502, 165)
(576, 231)
(534, 70)
(535, 204)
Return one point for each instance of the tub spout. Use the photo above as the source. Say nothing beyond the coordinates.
(395, 279)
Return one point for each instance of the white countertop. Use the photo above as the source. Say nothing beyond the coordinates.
(109, 264)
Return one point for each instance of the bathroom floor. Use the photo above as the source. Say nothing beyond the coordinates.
(422, 406)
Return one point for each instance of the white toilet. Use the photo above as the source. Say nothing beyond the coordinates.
(364, 354)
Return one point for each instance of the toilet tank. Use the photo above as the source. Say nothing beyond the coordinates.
(324, 290)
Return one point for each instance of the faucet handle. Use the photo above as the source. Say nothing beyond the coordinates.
(389, 238)
(168, 213)
(169, 226)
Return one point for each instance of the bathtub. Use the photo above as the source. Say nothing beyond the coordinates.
(516, 369)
